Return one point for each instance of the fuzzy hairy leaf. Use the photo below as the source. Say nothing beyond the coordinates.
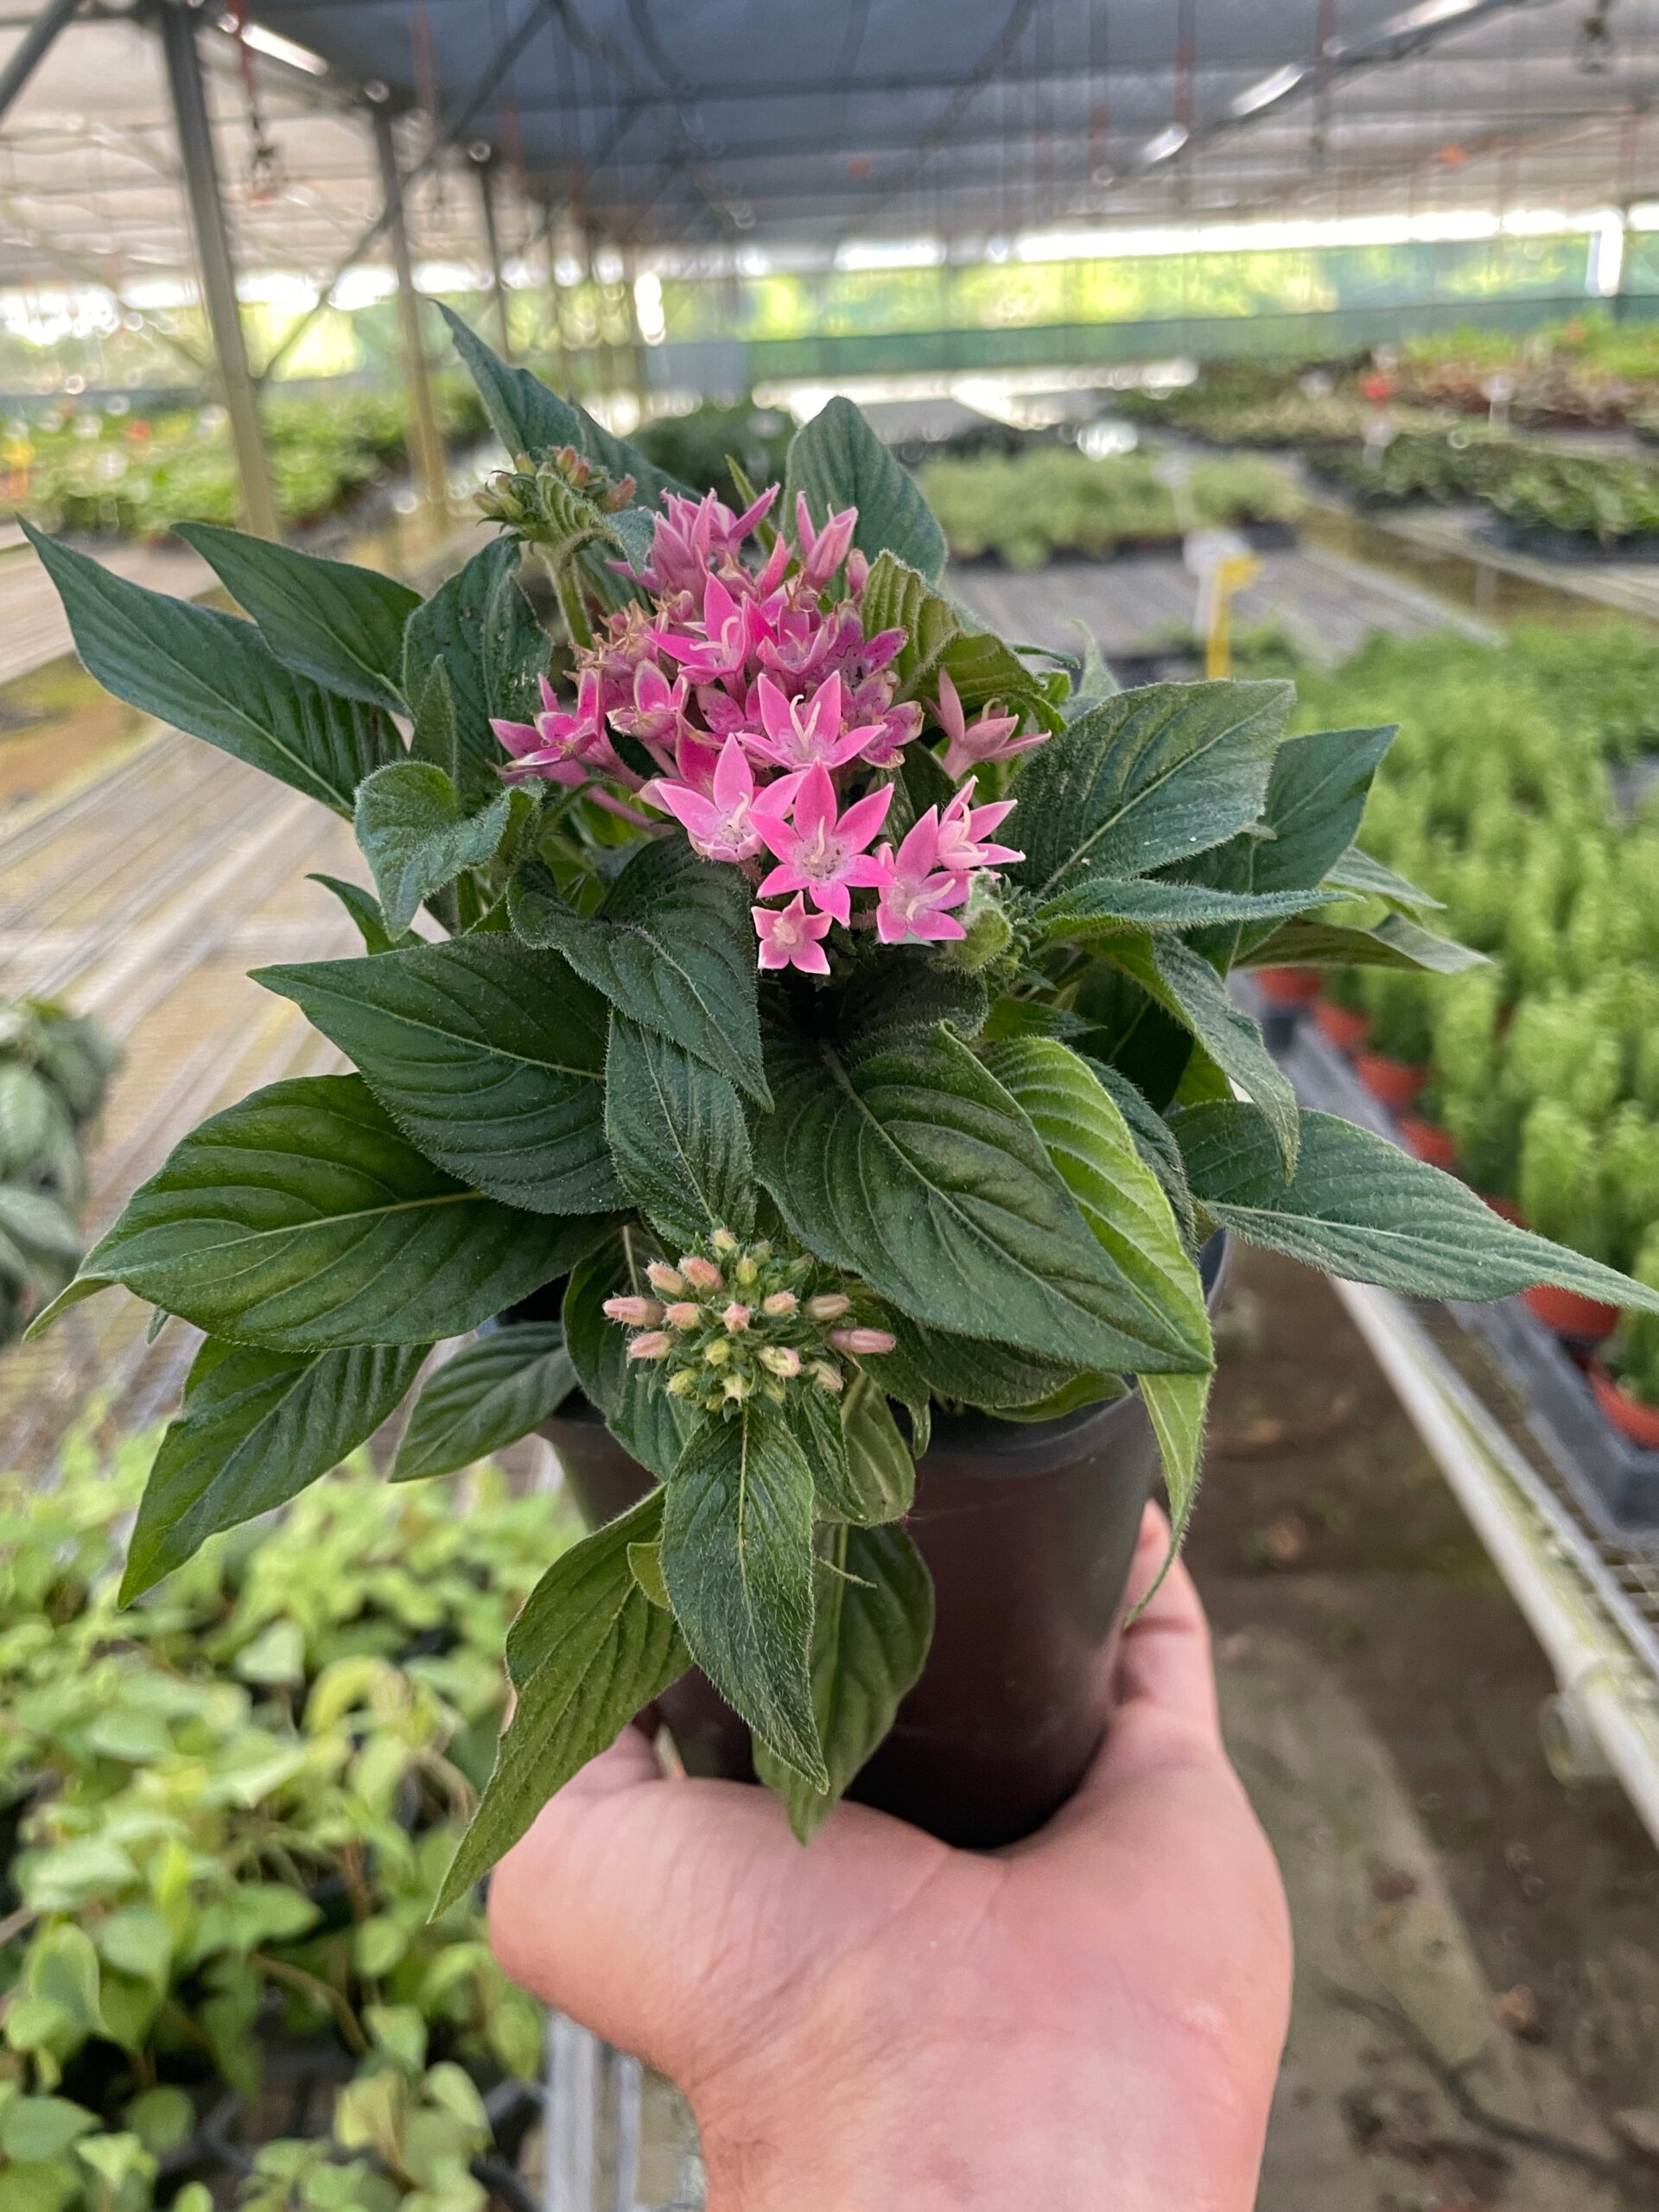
(1184, 984)
(979, 1371)
(339, 624)
(214, 677)
(648, 1424)
(1087, 1137)
(870, 1640)
(881, 1475)
(677, 1137)
(671, 946)
(838, 461)
(588, 1649)
(940, 636)
(1396, 942)
(737, 1559)
(1358, 1207)
(1361, 877)
(912, 1167)
(1102, 906)
(416, 836)
(495, 1389)
(365, 910)
(484, 629)
(1155, 1141)
(255, 1429)
(303, 1218)
(1148, 778)
(488, 1056)
(1177, 1405)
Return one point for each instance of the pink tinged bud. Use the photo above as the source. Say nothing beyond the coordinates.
(735, 1317)
(636, 1312)
(781, 1359)
(780, 1303)
(682, 1314)
(830, 1307)
(826, 1376)
(862, 1340)
(700, 1274)
(652, 1345)
(661, 1277)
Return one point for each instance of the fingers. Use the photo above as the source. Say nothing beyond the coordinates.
(1163, 1660)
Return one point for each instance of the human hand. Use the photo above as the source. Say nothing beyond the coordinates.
(1091, 2018)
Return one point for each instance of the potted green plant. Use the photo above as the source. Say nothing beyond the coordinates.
(827, 1018)
(1626, 1377)
(1560, 1191)
(54, 1069)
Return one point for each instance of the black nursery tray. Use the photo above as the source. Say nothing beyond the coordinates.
(1614, 1481)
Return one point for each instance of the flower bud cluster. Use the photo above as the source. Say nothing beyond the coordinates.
(734, 1321)
(534, 498)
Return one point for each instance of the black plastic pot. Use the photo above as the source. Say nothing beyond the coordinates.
(1028, 1530)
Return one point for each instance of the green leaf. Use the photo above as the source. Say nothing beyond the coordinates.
(34, 2130)
(978, 1371)
(530, 419)
(671, 946)
(365, 910)
(1154, 1140)
(433, 738)
(1089, 1142)
(645, 1565)
(496, 1389)
(302, 1218)
(649, 1425)
(1394, 943)
(870, 1639)
(341, 625)
(1146, 778)
(940, 636)
(415, 837)
(1104, 907)
(1362, 877)
(912, 1167)
(1186, 986)
(256, 1427)
(737, 1559)
(1358, 1207)
(1177, 1405)
(214, 677)
(588, 1651)
(881, 1475)
(677, 1137)
(838, 461)
(484, 629)
(907, 989)
(489, 1057)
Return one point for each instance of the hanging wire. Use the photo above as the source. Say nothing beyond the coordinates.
(267, 174)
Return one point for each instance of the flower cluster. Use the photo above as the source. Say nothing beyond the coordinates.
(749, 703)
(734, 1321)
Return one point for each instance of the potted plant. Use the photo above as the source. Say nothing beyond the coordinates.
(1560, 1193)
(54, 1069)
(825, 1014)
(1626, 1377)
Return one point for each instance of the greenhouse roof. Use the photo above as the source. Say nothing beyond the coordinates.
(714, 131)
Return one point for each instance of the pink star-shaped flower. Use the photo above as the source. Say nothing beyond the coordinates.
(557, 746)
(822, 550)
(727, 636)
(915, 892)
(789, 937)
(805, 734)
(724, 825)
(972, 744)
(819, 852)
(964, 828)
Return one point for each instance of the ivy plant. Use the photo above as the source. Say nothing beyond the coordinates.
(827, 995)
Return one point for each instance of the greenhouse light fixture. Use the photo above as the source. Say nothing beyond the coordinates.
(1255, 97)
(1165, 144)
(1425, 17)
(274, 47)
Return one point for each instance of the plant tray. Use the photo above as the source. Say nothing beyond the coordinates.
(1616, 1482)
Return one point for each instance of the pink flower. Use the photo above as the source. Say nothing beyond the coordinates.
(804, 733)
(964, 828)
(723, 647)
(695, 536)
(818, 851)
(657, 716)
(915, 892)
(558, 746)
(724, 825)
(822, 550)
(789, 938)
(895, 731)
(972, 744)
(863, 1340)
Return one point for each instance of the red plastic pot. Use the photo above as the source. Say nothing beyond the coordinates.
(1427, 1140)
(1570, 1313)
(1028, 1530)
(1505, 1208)
(1392, 1083)
(1341, 1026)
(1289, 985)
(1628, 1415)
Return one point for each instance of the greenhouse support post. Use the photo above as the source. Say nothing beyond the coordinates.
(216, 267)
(32, 48)
(426, 446)
(492, 247)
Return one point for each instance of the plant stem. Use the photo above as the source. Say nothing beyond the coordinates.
(321, 1992)
(570, 605)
